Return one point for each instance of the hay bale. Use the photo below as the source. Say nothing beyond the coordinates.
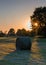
(23, 43)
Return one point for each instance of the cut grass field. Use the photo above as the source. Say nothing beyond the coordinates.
(7, 45)
(37, 56)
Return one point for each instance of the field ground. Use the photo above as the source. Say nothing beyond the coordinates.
(8, 55)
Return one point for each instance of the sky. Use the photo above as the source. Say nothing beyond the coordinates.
(16, 13)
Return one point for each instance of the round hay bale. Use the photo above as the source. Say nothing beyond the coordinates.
(23, 43)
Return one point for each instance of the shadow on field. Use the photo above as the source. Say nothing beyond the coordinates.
(16, 58)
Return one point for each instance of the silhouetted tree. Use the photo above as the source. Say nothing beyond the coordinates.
(39, 16)
(11, 32)
(21, 32)
(2, 34)
(18, 32)
(28, 33)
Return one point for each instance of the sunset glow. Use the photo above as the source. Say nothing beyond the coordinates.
(28, 25)
(36, 24)
(16, 13)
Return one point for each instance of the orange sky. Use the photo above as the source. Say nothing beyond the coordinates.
(16, 23)
(16, 13)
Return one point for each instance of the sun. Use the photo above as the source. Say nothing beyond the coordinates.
(36, 24)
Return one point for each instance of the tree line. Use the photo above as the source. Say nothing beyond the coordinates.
(20, 32)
